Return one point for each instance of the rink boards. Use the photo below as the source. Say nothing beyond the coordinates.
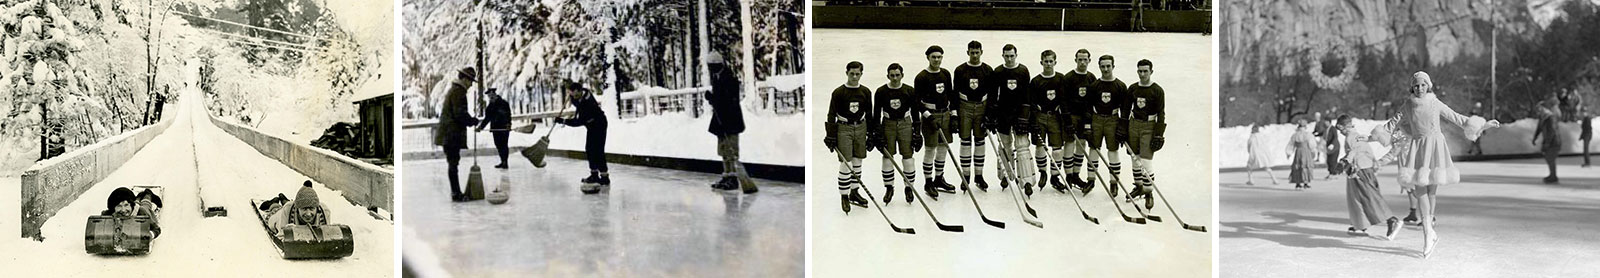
(1009, 18)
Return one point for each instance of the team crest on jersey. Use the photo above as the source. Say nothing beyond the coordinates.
(894, 103)
(1083, 91)
(1050, 94)
(1011, 84)
(972, 83)
(1140, 102)
(855, 107)
(1105, 97)
(938, 88)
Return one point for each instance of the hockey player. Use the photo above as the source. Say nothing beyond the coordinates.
(973, 89)
(1147, 124)
(933, 88)
(1046, 98)
(1009, 118)
(1077, 115)
(594, 120)
(1108, 105)
(846, 126)
(897, 131)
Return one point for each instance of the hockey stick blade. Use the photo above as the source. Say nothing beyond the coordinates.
(941, 225)
(1186, 226)
(986, 220)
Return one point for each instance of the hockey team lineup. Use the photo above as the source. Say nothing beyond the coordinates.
(1068, 122)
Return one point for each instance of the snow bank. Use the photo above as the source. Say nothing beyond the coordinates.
(1510, 138)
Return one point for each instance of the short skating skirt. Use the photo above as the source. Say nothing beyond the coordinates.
(1428, 162)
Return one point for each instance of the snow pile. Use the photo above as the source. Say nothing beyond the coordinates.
(1510, 138)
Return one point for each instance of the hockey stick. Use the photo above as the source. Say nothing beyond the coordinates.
(1186, 226)
(986, 220)
(897, 229)
(1124, 214)
(907, 181)
(1086, 216)
(1129, 195)
(1007, 163)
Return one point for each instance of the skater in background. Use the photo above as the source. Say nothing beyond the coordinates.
(933, 88)
(1078, 117)
(1549, 127)
(1477, 146)
(1009, 116)
(1049, 90)
(846, 127)
(1586, 123)
(452, 131)
(974, 88)
(896, 132)
(1256, 149)
(1427, 164)
(1108, 98)
(1146, 130)
(1302, 154)
(727, 122)
(1332, 144)
(593, 120)
(1362, 198)
(498, 119)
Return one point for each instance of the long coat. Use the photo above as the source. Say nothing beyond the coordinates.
(454, 119)
(726, 117)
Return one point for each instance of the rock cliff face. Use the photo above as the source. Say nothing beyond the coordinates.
(1421, 32)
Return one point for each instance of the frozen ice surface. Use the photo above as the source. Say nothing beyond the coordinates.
(1501, 221)
(862, 245)
(192, 245)
(653, 223)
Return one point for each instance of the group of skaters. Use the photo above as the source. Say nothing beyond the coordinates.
(1417, 144)
(727, 122)
(1306, 144)
(1067, 119)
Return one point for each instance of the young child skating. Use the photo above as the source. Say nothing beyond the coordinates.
(1365, 203)
(1256, 149)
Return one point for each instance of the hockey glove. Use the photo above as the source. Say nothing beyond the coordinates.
(1160, 139)
(875, 140)
(916, 142)
(832, 138)
(1122, 130)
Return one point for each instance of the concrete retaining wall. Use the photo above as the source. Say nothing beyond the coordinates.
(360, 182)
(51, 184)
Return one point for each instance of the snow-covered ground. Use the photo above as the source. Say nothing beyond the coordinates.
(1510, 138)
(190, 156)
(1501, 221)
(861, 244)
(653, 223)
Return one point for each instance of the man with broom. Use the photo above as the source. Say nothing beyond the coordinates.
(452, 130)
(498, 119)
(727, 121)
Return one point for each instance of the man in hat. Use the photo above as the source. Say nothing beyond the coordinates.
(727, 121)
(593, 119)
(498, 119)
(452, 130)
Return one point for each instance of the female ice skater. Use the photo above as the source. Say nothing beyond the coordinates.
(1303, 154)
(1256, 148)
(1427, 164)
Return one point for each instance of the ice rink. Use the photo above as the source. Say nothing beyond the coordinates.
(862, 245)
(1501, 221)
(190, 154)
(653, 223)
